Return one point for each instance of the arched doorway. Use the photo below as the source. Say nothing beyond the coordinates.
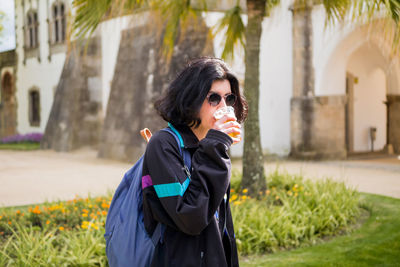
(359, 65)
(8, 116)
(366, 90)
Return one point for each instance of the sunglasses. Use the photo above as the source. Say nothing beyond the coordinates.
(215, 98)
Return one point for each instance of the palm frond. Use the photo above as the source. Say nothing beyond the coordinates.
(89, 13)
(175, 15)
(270, 6)
(234, 30)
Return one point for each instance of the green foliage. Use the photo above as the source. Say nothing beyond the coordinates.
(292, 213)
(20, 146)
(58, 234)
(234, 28)
(375, 243)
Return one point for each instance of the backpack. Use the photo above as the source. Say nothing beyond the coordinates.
(127, 242)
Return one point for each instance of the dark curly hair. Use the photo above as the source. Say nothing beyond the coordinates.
(181, 103)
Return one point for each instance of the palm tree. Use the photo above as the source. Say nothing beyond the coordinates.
(89, 13)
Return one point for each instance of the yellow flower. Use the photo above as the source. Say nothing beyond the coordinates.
(234, 197)
(244, 197)
(61, 228)
(277, 197)
(84, 215)
(289, 193)
(1, 217)
(237, 202)
(90, 206)
(245, 190)
(47, 222)
(268, 192)
(296, 194)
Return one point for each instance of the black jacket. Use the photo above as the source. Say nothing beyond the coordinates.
(195, 220)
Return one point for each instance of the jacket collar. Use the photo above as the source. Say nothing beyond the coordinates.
(189, 138)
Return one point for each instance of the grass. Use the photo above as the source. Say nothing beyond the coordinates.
(20, 146)
(375, 243)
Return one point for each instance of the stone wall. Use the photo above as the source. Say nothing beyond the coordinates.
(318, 127)
(394, 122)
(76, 117)
(8, 104)
(141, 74)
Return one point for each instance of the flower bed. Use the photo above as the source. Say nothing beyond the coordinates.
(22, 138)
(292, 213)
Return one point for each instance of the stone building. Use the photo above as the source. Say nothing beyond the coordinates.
(324, 91)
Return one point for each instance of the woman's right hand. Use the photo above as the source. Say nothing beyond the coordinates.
(228, 124)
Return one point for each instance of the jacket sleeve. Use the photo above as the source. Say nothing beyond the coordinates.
(192, 209)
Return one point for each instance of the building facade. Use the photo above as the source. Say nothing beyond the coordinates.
(325, 92)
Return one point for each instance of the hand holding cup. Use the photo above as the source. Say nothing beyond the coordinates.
(226, 122)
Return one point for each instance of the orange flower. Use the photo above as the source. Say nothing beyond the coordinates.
(61, 228)
(85, 211)
(104, 212)
(9, 222)
(18, 212)
(47, 222)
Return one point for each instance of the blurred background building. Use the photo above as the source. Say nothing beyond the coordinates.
(347, 101)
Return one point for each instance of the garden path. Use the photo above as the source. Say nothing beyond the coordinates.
(28, 177)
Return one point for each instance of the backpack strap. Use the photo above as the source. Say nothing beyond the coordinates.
(158, 232)
(185, 154)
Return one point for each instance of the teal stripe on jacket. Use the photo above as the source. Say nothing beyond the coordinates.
(171, 189)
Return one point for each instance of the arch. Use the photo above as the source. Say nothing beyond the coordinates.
(332, 65)
(7, 86)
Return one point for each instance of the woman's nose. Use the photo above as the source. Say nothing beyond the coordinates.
(222, 103)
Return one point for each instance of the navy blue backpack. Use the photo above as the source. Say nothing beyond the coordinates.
(127, 242)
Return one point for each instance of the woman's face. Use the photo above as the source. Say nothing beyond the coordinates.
(221, 87)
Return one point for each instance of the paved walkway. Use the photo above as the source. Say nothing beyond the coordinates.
(36, 176)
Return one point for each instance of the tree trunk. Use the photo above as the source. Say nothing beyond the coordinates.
(253, 163)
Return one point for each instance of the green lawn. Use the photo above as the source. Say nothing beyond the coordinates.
(375, 243)
(20, 146)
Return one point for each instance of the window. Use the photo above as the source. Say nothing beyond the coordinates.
(58, 25)
(34, 107)
(32, 27)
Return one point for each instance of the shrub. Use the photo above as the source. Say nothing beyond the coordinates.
(293, 212)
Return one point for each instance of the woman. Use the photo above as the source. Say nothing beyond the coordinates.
(199, 229)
